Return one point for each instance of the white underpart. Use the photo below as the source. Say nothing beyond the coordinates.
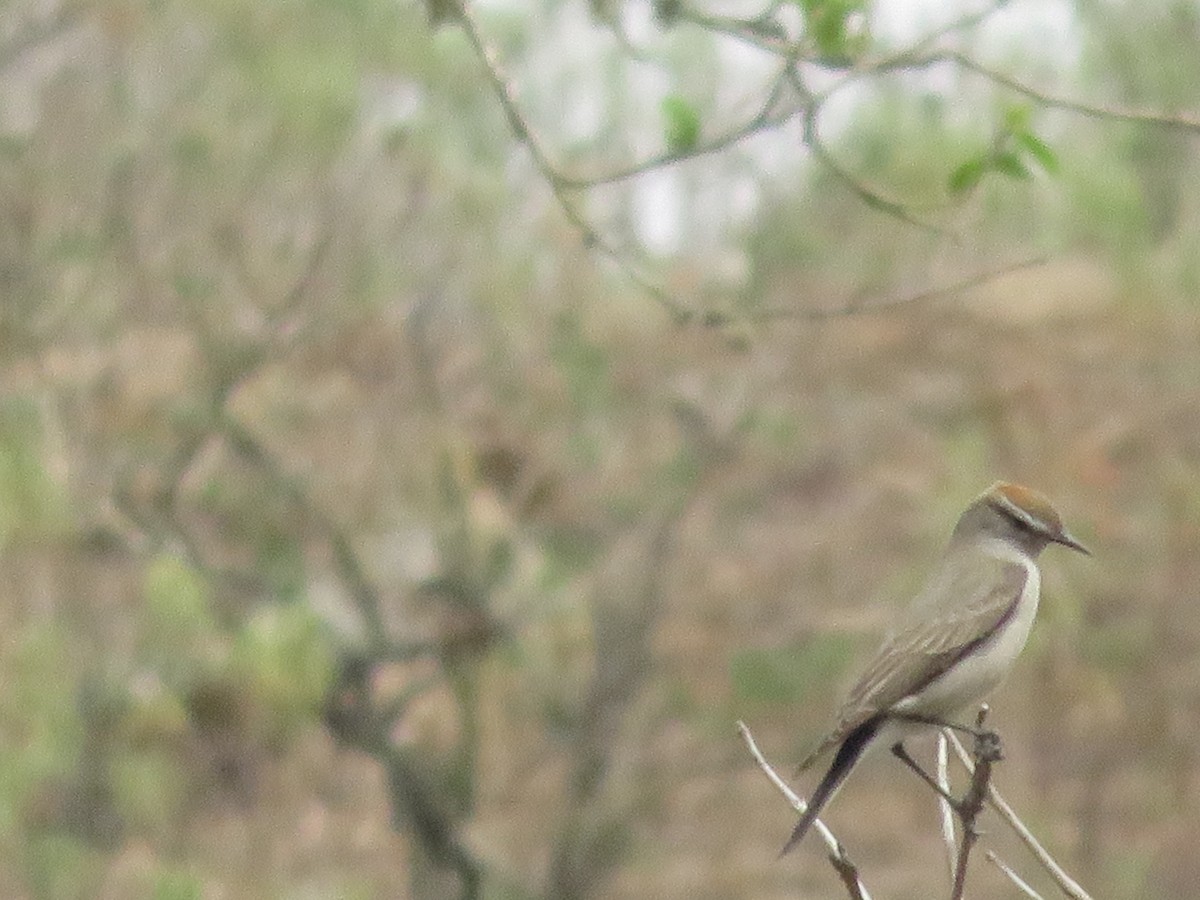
(969, 680)
(972, 677)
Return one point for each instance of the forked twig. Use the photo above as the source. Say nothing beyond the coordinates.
(845, 869)
(987, 753)
(1068, 885)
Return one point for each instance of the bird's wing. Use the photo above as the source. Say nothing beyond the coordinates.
(930, 639)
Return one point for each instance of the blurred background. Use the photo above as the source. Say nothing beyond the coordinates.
(367, 530)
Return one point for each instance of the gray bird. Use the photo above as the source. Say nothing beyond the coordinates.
(957, 639)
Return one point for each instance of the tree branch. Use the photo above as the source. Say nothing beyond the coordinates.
(1019, 882)
(987, 753)
(1112, 113)
(501, 87)
(867, 195)
(838, 857)
(1068, 885)
(945, 810)
(864, 306)
(768, 35)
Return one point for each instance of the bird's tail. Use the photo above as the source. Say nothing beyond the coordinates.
(848, 755)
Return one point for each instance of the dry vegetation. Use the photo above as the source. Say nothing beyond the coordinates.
(822, 464)
(334, 483)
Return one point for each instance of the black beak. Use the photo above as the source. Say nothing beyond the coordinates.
(1067, 540)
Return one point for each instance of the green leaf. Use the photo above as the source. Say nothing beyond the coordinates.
(1006, 162)
(967, 175)
(180, 624)
(177, 597)
(1039, 150)
(1016, 118)
(682, 124)
(827, 21)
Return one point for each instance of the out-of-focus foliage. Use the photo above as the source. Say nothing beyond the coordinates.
(364, 534)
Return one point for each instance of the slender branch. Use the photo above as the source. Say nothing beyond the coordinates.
(38, 34)
(754, 32)
(767, 117)
(1021, 884)
(349, 567)
(987, 753)
(922, 44)
(859, 307)
(501, 87)
(1068, 885)
(1118, 114)
(944, 808)
(867, 195)
(838, 857)
(769, 36)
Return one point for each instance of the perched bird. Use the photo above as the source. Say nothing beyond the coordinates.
(957, 639)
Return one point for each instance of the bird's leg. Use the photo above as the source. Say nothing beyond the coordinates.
(901, 754)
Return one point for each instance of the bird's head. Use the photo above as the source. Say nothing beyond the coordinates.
(1018, 514)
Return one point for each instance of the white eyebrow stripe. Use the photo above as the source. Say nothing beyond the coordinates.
(1023, 515)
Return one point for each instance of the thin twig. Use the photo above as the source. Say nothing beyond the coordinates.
(346, 561)
(867, 195)
(1118, 114)
(742, 30)
(39, 34)
(1021, 884)
(502, 88)
(916, 55)
(837, 853)
(946, 811)
(1067, 884)
(987, 753)
(767, 117)
(860, 307)
(963, 23)
(760, 33)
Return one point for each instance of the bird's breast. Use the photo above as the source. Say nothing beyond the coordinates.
(984, 667)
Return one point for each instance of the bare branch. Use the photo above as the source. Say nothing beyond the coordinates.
(859, 307)
(769, 36)
(987, 753)
(768, 117)
(501, 86)
(867, 195)
(1118, 114)
(1020, 883)
(346, 561)
(837, 853)
(923, 44)
(755, 32)
(1068, 885)
(944, 808)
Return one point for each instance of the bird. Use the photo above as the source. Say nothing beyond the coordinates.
(956, 640)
